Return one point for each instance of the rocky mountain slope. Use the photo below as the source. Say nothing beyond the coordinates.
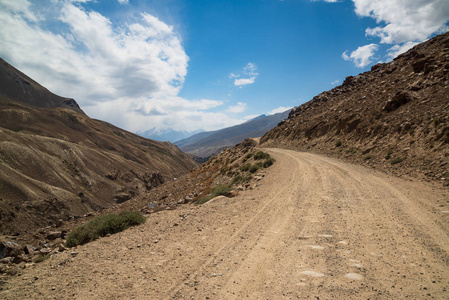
(56, 162)
(394, 117)
(15, 87)
(206, 144)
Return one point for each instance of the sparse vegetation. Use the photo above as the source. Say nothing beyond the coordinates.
(219, 190)
(238, 179)
(396, 160)
(268, 162)
(261, 155)
(41, 258)
(388, 155)
(245, 167)
(368, 157)
(224, 169)
(351, 151)
(338, 143)
(254, 168)
(103, 225)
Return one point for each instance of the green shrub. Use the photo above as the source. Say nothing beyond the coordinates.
(254, 168)
(237, 179)
(203, 200)
(245, 167)
(268, 162)
(240, 179)
(219, 190)
(261, 155)
(103, 225)
(41, 258)
(224, 169)
(249, 155)
(338, 143)
(396, 160)
(351, 151)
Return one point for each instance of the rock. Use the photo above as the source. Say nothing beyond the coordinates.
(397, 101)
(233, 193)
(153, 180)
(61, 248)
(28, 249)
(152, 205)
(3, 269)
(422, 65)
(53, 235)
(122, 197)
(181, 201)
(59, 223)
(7, 260)
(10, 249)
(18, 259)
(45, 251)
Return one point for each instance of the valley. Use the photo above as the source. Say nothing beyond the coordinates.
(315, 227)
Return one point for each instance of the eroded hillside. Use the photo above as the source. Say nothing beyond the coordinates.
(56, 163)
(394, 117)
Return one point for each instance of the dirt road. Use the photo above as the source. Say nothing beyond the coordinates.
(315, 228)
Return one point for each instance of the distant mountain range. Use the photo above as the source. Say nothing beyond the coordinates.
(206, 144)
(167, 135)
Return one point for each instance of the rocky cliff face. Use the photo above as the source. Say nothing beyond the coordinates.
(56, 162)
(394, 117)
(17, 87)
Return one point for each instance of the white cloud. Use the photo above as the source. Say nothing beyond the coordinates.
(244, 81)
(279, 109)
(335, 81)
(362, 56)
(128, 74)
(238, 108)
(397, 49)
(402, 23)
(405, 21)
(95, 60)
(248, 76)
(165, 106)
(141, 114)
(250, 69)
(123, 1)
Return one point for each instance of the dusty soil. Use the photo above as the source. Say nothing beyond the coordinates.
(315, 228)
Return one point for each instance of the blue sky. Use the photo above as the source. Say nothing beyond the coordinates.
(189, 65)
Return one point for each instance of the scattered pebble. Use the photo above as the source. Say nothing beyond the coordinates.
(313, 274)
(316, 247)
(354, 276)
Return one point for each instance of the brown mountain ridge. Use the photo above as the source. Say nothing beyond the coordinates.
(56, 162)
(394, 117)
